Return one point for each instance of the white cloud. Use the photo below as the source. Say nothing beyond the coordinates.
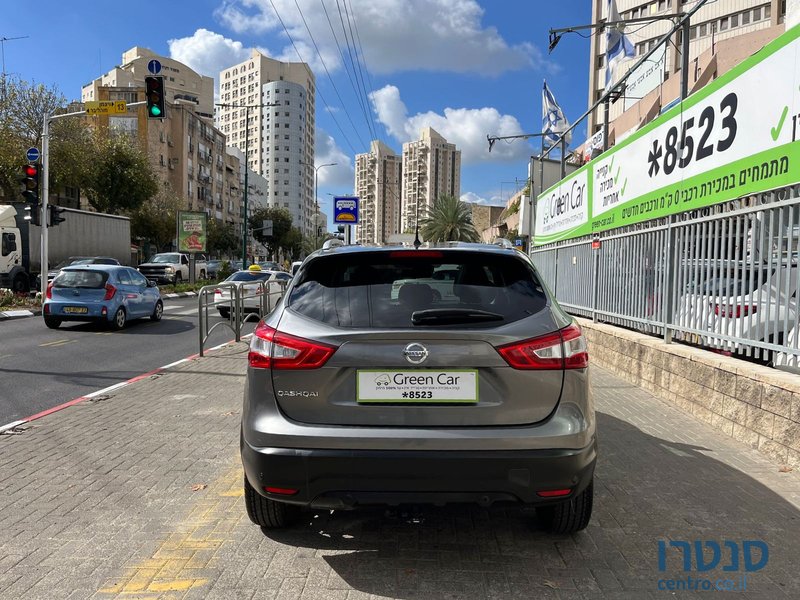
(342, 175)
(207, 52)
(467, 128)
(474, 198)
(396, 35)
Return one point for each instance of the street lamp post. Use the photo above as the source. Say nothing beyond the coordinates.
(316, 200)
(247, 108)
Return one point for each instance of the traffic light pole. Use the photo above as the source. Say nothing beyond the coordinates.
(45, 185)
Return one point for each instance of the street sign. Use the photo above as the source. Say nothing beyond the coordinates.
(32, 154)
(345, 210)
(154, 67)
(106, 107)
(518, 242)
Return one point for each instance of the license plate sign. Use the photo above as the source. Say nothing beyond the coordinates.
(425, 386)
(76, 310)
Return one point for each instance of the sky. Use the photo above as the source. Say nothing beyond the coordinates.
(467, 68)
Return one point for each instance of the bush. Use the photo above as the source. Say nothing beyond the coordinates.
(225, 270)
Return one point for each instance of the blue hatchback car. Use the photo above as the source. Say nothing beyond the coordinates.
(104, 293)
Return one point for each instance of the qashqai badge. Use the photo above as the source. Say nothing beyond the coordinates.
(415, 353)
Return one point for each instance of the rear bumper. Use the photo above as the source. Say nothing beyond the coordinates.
(337, 479)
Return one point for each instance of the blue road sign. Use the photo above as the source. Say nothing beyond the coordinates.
(32, 154)
(345, 210)
(154, 67)
(518, 242)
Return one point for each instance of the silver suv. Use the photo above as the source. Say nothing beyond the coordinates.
(357, 395)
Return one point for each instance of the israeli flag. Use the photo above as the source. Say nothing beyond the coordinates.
(553, 121)
(618, 46)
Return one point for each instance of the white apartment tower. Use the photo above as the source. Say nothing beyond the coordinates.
(713, 24)
(277, 132)
(377, 184)
(431, 168)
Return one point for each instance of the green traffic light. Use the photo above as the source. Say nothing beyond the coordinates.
(155, 111)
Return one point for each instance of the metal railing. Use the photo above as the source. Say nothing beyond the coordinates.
(239, 303)
(723, 278)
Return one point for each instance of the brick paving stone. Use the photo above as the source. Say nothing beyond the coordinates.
(96, 501)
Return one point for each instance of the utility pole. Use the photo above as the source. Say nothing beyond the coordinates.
(316, 199)
(247, 108)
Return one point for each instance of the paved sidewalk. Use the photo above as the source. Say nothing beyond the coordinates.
(138, 494)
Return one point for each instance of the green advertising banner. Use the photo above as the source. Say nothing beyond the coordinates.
(192, 231)
(735, 137)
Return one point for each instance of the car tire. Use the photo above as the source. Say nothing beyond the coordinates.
(20, 284)
(570, 516)
(178, 278)
(267, 513)
(224, 313)
(52, 323)
(118, 322)
(158, 310)
(202, 274)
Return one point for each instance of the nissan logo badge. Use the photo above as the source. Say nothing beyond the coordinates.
(415, 353)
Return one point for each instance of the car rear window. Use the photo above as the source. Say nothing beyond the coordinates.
(248, 276)
(81, 279)
(384, 289)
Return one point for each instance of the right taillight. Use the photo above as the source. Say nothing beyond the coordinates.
(272, 349)
(110, 291)
(49, 291)
(564, 349)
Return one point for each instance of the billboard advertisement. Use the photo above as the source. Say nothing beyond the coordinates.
(192, 231)
(728, 140)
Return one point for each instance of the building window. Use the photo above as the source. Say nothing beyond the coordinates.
(757, 14)
(703, 30)
(723, 23)
(746, 17)
(734, 21)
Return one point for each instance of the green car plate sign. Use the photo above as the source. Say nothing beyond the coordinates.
(417, 386)
(735, 137)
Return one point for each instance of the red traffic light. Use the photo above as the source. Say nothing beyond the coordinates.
(31, 170)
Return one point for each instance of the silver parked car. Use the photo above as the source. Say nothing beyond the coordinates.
(356, 395)
(250, 289)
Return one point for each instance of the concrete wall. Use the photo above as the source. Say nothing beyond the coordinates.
(753, 404)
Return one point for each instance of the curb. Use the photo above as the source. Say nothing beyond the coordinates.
(14, 424)
(8, 315)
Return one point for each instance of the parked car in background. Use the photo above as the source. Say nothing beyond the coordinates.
(212, 268)
(479, 396)
(268, 265)
(248, 282)
(172, 267)
(106, 294)
(295, 266)
(80, 260)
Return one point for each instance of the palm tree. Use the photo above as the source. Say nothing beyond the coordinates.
(448, 220)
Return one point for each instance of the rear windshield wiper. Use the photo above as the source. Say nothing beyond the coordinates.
(448, 316)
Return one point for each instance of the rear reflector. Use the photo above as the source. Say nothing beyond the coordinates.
(282, 491)
(564, 349)
(553, 493)
(272, 349)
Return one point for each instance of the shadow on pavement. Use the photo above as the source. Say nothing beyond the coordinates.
(647, 489)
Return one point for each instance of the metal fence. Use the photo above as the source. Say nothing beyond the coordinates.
(724, 277)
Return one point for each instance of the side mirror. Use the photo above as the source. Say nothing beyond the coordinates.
(151, 283)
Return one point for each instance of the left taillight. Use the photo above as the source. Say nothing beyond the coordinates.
(563, 349)
(272, 349)
(49, 291)
(110, 291)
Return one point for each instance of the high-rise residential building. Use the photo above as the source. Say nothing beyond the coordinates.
(277, 131)
(377, 184)
(431, 168)
(712, 51)
(181, 83)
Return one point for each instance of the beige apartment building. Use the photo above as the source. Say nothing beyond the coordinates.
(186, 150)
(377, 184)
(277, 132)
(431, 168)
(721, 34)
(181, 83)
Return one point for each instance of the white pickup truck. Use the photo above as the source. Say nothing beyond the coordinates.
(173, 267)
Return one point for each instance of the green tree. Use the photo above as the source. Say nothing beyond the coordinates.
(292, 243)
(448, 220)
(122, 178)
(222, 240)
(155, 219)
(281, 226)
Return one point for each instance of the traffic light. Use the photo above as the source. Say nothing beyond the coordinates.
(55, 214)
(33, 213)
(30, 182)
(154, 93)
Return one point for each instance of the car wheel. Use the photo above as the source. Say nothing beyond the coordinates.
(157, 311)
(52, 323)
(224, 313)
(119, 319)
(178, 278)
(570, 516)
(267, 513)
(202, 274)
(20, 284)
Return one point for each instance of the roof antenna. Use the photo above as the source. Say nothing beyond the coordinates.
(417, 242)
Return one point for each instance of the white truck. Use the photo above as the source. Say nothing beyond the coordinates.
(82, 233)
(173, 267)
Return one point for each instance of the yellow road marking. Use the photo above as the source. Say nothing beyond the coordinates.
(64, 343)
(53, 343)
(181, 560)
